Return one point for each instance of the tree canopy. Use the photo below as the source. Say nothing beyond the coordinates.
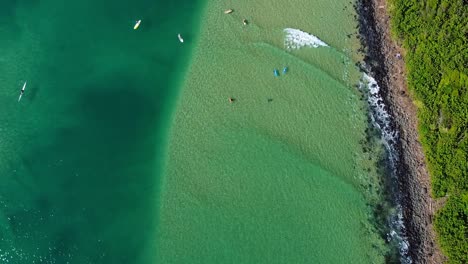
(435, 36)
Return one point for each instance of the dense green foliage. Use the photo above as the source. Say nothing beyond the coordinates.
(452, 229)
(435, 34)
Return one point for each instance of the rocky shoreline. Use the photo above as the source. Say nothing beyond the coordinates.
(385, 59)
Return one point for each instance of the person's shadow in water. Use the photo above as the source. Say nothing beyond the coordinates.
(32, 92)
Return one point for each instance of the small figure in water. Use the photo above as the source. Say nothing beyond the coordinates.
(231, 100)
(22, 91)
(245, 22)
(137, 24)
(285, 70)
(276, 72)
(270, 100)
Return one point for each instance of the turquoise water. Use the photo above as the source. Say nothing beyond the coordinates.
(125, 149)
(80, 155)
(278, 175)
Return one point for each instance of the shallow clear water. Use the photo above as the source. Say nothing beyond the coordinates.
(81, 154)
(279, 174)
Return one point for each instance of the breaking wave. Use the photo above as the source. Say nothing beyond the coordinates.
(296, 39)
(381, 119)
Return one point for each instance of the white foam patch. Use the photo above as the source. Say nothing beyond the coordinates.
(296, 39)
(383, 121)
(381, 118)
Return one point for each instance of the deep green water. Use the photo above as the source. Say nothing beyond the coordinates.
(80, 155)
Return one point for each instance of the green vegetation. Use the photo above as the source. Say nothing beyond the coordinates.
(452, 229)
(435, 34)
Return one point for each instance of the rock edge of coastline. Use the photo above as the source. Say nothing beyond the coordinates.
(385, 58)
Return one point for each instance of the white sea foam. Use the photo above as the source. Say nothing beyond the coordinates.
(381, 118)
(383, 121)
(296, 39)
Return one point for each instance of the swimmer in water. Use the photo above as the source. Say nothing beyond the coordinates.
(22, 91)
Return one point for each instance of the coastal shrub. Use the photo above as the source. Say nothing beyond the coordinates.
(435, 35)
(451, 225)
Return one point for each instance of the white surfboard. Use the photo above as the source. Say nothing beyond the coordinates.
(22, 91)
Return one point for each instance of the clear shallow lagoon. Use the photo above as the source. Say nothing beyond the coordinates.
(279, 175)
(81, 154)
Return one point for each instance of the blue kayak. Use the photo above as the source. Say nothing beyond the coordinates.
(276, 72)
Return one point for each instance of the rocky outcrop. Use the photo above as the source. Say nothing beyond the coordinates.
(385, 57)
